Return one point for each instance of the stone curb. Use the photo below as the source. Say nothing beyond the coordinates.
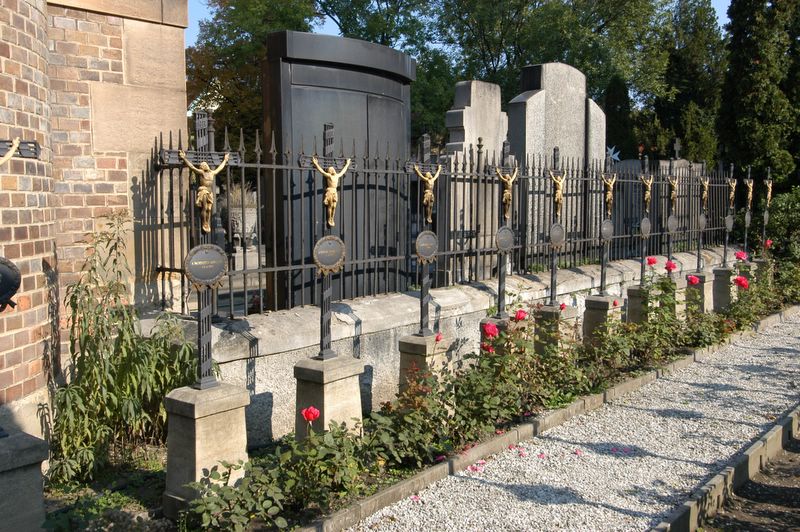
(709, 498)
(689, 512)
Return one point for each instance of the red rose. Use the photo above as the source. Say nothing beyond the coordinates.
(562, 306)
(487, 348)
(670, 266)
(616, 303)
(439, 337)
(490, 330)
(651, 261)
(310, 414)
(520, 315)
(740, 255)
(768, 243)
(693, 279)
(741, 282)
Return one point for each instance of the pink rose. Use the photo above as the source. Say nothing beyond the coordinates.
(740, 255)
(520, 315)
(670, 266)
(651, 261)
(490, 330)
(439, 337)
(693, 279)
(562, 306)
(741, 282)
(310, 414)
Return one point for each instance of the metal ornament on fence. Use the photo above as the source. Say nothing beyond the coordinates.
(205, 266)
(645, 228)
(329, 255)
(607, 230)
(673, 223)
(10, 280)
(702, 221)
(427, 245)
(748, 218)
(768, 184)
(504, 239)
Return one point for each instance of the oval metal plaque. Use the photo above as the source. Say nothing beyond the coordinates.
(606, 229)
(646, 227)
(205, 265)
(747, 219)
(672, 223)
(329, 254)
(701, 221)
(504, 239)
(10, 280)
(729, 223)
(766, 217)
(427, 246)
(557, 235)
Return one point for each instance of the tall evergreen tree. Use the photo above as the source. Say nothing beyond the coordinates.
(694, 77)
(791, 83)
(756, 117)
(619, 126)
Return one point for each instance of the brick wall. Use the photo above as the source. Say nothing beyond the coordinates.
(84, 47)
(26, 215)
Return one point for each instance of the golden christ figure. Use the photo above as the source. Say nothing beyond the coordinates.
(648, 185)
(331, 183)
(508, 182)
(609, 185)
(428, 198)
(205, 192)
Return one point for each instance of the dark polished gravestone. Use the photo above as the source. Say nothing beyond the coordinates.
(364, 90)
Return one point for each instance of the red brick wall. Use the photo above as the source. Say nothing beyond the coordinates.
(26, 215)
(84, 47)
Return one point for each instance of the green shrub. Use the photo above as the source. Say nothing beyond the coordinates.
(118, 378)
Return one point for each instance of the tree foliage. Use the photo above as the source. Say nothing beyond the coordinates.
(756, 118)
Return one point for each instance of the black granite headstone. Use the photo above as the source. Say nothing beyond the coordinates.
(364, 90)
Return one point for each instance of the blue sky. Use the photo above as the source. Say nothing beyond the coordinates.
(198, 10)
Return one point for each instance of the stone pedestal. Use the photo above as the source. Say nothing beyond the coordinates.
(700, 296)
(760, 270)
(600, 310)
(554, 326)
(204, 427)
(678, 308)
(723, 288)
(422, 353)
(21, 500)
(638, 303)
(332, 387)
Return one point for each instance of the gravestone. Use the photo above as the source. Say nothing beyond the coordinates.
(554, 110)
(364, 90)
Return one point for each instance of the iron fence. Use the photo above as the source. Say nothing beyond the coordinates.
(269, 213)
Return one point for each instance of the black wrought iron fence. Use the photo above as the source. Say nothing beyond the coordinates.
(269, 213)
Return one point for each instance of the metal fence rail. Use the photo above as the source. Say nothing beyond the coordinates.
(269, 213)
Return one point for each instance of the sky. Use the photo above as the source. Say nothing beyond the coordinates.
(198, 10)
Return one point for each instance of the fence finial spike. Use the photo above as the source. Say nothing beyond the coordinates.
(257, 148)
(272, 148)
(226, 144)
(241, 141)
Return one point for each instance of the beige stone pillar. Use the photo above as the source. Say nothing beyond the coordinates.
(21, 500)
(700, 296)
(204, 427)
(679, 290)
(332, 387)
(638, 303)
(600, 310)
(554, 326)
(723, 288)
(422, 353)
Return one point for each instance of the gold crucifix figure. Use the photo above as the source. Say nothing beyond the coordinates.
(648, 185)
(731, 193)
(673, 192)
(205, 192)
(558, 192)
(768, 183)
(331, 183)
(704, 195)
(428, 197)
(609, 186)
(749, 184)
(508, 182)
(10, 153)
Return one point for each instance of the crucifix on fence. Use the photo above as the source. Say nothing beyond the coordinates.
(504, 239)
(557, 232)
(768, 185)
(206, 264)
(645, 227)
(729, 216)
(701, 218)
(747, 215)
(607, 225)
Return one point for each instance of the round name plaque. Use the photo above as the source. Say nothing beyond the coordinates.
(557, 235)
(329, 254)
(672, 223)
(729, 223)
(10, 280)
(205, 265)
(747, 219)
(504, 239)
(427, 246)
(766, 217)
(701, 222)
(646, 227)
(606, 229)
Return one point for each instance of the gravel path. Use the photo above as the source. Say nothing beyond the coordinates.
(627, 465)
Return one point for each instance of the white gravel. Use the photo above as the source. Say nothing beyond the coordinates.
(627, 465)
